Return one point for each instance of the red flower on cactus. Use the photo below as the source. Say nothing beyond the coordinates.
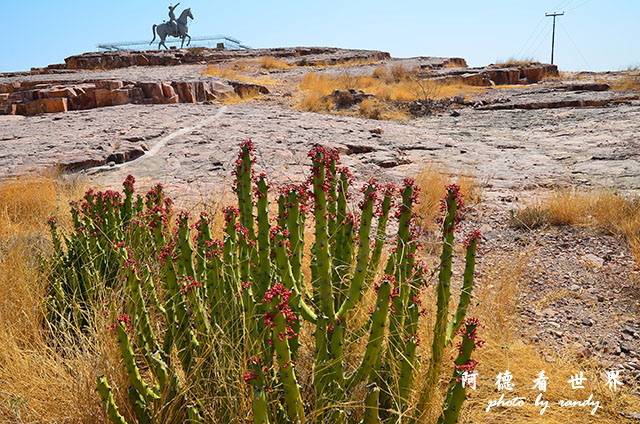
(188, 284)
(128, 184)
(473, 236)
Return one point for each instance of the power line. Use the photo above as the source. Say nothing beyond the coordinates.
(564, 4)
(576, 46)
(580, 5)
(535, 45)
(546, 33)
(525, 45)
(553, 34)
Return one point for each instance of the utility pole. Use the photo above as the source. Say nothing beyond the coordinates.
(553, 34)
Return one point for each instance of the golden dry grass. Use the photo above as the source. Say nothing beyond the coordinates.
(629, 81)
(603, 210)
(271, 63)
(397, 85)
(41, 381)
(513, 62)
(232, 73)
(432, 180)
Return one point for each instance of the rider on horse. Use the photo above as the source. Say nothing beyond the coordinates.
(172, 18)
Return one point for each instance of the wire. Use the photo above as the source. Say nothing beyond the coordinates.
(564, 4)
(580, 5)
(523, 48)
(538, 41)
(575, 45)
(541, 41)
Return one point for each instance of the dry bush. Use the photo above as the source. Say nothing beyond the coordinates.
(604, 210)
(381, 72)
(432, 180)
(513, 62)
(399, 72)
(270, 62)
(373, 108)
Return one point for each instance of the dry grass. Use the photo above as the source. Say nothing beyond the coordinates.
(629, 81)
(375, 109)
(432, 180)
(604, 210)
(41, 381)
(232, 73)
(271, 63)
(513, 62)
(397, 85)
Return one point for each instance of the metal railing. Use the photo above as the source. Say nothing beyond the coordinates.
(229, 43)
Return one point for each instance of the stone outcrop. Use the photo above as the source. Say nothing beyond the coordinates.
(123, 58)
(36, 97)
(494, 75)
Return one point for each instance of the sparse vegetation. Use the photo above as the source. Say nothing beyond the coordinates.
(431, 180)
(233, 74)
(629, 81)
(388, 87)
(271, 63)
(603, 210)
(520, 63)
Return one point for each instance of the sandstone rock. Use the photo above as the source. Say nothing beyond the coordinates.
(167, 90)
(57, 92)
(103, 97)
(185, 92)
(531, 75)
(52, 105)
(9, 109)
(110, 85)
(10, 87)
(152, 90)
(120, 97)
(504, 76)
(86, 100)
(220, 89)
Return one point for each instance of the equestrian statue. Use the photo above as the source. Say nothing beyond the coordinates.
(175, 27)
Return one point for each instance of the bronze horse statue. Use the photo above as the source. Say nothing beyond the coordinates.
(169, 29)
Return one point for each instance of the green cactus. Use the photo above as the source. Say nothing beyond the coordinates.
(463, 364)
(195, 301)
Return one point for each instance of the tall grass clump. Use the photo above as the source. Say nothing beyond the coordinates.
(603, 210)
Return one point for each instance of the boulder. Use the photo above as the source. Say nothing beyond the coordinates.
(120, 97)
(57, 92)
(103, 97)
(110, 85)
(221, 89)
(85, 100)
(152, 90)
(52, 105)
(185, 92)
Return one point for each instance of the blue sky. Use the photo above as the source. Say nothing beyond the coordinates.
(593, 34)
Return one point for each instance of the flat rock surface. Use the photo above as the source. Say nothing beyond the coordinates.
(513, 151)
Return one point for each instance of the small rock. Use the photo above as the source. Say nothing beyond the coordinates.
(583, 353)
(455, 113)
(587, 322)
(625, 347)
